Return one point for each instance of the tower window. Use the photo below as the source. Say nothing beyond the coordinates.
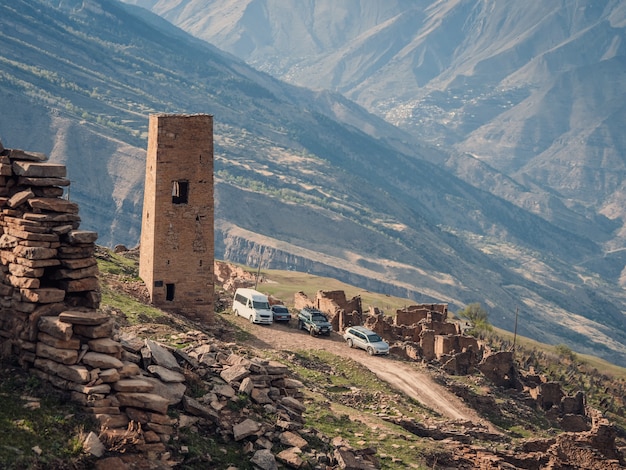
(180, 192)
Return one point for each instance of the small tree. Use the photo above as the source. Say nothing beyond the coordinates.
(565, 352)
(478, 316)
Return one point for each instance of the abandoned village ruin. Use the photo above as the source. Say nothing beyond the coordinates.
(52, 323)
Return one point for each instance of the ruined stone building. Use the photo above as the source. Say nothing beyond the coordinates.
(177, 241)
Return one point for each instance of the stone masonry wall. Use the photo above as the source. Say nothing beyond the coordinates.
(47, 264)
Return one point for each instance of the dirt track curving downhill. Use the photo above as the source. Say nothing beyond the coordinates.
(404, 376)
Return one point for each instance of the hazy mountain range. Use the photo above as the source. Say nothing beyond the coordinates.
(453, 188)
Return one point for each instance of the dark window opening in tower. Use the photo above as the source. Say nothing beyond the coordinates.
(180, 192)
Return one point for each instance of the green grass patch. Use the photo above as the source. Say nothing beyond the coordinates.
(206, 450)
(284, 284)
(112, 263)
(135, 311)
(396, 448)
(38, 428)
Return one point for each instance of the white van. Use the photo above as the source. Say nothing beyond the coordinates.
(253, 305)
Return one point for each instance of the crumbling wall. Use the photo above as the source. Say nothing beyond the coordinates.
(340, 312)
(232, 277)
(423, 312)
(47, 264)
(301, 300)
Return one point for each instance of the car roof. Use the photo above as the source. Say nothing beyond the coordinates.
(362, 329)
(255, 294)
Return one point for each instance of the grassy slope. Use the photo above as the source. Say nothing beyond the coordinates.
(343, 399)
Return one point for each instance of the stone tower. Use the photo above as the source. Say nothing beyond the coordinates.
(177, 241)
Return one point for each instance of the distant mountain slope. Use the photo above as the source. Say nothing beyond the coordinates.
(305, 179)
(535, 91)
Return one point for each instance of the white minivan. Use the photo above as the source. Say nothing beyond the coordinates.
(253, 305)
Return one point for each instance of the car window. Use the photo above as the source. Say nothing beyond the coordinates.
(374, 338)
(319, 317)
(261, 305)
(280, 309)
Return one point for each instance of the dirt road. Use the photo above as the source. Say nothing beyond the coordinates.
(403, 376)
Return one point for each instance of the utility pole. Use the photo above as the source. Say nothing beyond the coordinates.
(515, 330)
(258, 273)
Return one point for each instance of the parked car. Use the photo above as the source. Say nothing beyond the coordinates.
(314, 321)
(253, 305)
(361, 337)
(281, 313)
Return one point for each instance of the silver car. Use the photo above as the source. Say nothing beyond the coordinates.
(361, 337)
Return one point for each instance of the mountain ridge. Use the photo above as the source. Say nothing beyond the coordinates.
(306, 171)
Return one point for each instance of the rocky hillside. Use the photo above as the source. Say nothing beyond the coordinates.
(307, 180)
(237, 400)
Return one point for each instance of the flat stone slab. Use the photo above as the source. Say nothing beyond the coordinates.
(162, 357)
(74, 373)
(133, 385)
(96, 331)
(62, 356)
(80, 285)
(82, 236)
(198, 409)
(53, 205)
(246, 428)
(56, 328)
(147, 401)
(106, 346)
(39, 169)
(166, 375)
(291, 439)
(20, 198)
(34, 181)
(84, 318)
(264, 459)
(34, 252)
(73, 343)
(225, 391)
(102, 361)
(75, 274)
(19, 154)
(172, 391)
(43, 296)
(235, 373)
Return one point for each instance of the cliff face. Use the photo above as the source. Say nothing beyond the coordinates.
(243, 250)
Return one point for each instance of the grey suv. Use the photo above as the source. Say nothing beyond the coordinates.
(361, 337)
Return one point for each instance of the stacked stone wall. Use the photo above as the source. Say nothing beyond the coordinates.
(47, 264)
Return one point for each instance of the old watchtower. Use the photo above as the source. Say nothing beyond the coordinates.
(177, 242)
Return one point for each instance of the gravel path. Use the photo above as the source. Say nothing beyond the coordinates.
(404, 376)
